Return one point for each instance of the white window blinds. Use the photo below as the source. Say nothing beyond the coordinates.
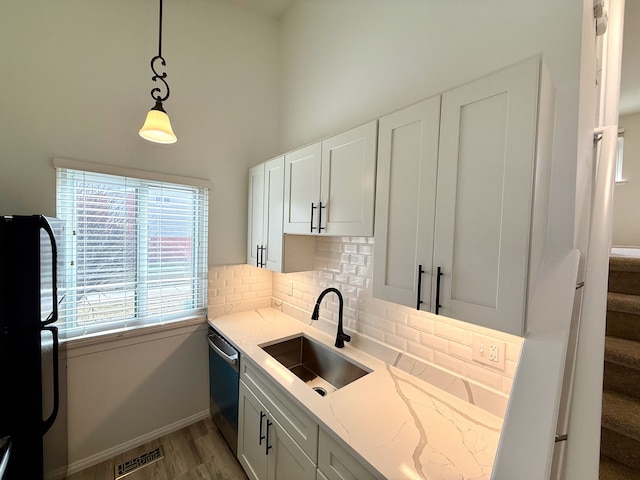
(136, 251)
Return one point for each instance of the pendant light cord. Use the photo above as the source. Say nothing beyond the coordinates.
(160, 32)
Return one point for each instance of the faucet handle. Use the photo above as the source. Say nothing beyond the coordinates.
(341, 338)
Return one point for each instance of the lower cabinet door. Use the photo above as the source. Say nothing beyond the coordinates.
(252, 427)
(265, 450)
(320, 475)
(286, 458)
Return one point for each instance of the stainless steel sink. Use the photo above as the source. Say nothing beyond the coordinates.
(315, 364)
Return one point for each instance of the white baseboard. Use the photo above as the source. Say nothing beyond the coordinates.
(112, 452)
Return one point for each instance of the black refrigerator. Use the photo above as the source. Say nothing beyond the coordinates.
(33, 420)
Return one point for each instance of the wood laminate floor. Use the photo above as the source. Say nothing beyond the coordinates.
(196, 452)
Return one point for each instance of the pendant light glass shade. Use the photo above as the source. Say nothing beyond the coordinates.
(157, 127)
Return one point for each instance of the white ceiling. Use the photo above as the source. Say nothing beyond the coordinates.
(630, 81)
(273, 8)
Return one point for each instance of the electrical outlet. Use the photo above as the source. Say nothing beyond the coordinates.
(488, 351)
(494, 353)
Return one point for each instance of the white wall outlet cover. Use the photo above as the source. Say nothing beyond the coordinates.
(488, 351)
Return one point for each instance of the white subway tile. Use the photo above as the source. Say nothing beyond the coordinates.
(484, 376)
(434, 342)
(460, 351)
(396, 342)
(421, 323)
(420, 351)
(447, 361)
(450, 332)
(408, 333)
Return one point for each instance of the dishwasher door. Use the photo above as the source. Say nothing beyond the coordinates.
(224, 368)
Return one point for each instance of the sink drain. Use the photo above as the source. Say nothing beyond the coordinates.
(320, 391)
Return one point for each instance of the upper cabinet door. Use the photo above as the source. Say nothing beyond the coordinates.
(302, 190)
(405, 203)
(348, 182)
(484, 197)
(273, 216)
(255, 233)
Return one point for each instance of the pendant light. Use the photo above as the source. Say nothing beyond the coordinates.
(157, 127)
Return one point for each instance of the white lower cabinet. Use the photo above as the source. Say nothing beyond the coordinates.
(265, 449)
(278, 440)
(336, 463)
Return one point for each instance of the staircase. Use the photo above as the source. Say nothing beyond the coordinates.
(620, 440)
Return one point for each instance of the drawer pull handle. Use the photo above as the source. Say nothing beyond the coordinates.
(313, 207)
(268, 447)
(438, 275)
(419, 300)
(262, 437)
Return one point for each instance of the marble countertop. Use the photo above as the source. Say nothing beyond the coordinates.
(394, 423)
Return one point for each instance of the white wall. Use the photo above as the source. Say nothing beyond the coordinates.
(76, 80)
(626, 219)
(344, 63)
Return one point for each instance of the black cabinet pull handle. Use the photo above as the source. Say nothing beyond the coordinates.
(320, 227)
(419, 300)
(438, 275)
(262, 437)
(258, 256)
(313, 207)
(262, 249)
(268, 447)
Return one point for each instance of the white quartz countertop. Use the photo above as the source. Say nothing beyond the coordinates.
(394, 423)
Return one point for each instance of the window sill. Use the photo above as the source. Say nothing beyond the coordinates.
(75, 347)
(620, 182)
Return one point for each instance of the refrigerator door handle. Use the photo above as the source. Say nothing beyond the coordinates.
(47, 424)
(54, 274)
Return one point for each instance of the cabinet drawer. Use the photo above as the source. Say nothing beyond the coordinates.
(300, 426)
(335, 463)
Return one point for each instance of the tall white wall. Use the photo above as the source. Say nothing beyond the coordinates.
(75, 83)
(626, 197)
(344, 63)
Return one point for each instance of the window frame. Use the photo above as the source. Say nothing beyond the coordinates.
(140, 180)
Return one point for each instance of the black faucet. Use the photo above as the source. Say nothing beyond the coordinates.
(341, 337)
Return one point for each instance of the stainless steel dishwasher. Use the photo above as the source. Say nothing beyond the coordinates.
(224, 378)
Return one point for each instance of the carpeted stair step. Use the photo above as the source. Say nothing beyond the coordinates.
(622, 352)
(624, 303)
(624, 275)
(622, 379)
(623, 325)
(622, 449)
(621, 414)
(612, 470)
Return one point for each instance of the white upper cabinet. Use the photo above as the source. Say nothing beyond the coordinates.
(405, 204)
(484, 198)
(302, 189)
(255, 234)
(455, 195)
(273, 208)
(348, 182)
(330, 185)
(267, 246)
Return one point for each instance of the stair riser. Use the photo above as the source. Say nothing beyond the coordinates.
(622, 449)
(624, 282)
(622, 379)
(623, 325)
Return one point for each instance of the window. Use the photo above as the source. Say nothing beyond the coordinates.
(619, 155)
(137, 250)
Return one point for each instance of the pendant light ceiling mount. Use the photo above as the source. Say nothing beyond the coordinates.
(157, 127)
